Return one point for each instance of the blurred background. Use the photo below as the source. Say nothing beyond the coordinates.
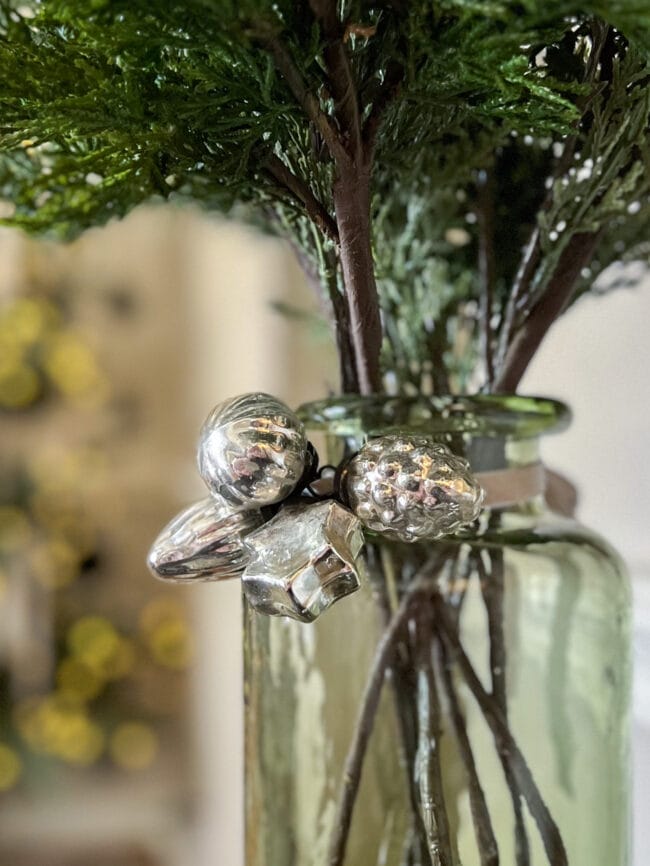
(121, 698)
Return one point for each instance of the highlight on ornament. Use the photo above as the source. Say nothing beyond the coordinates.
(295, 544)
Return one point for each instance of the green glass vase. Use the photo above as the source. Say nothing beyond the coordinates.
(468, 706)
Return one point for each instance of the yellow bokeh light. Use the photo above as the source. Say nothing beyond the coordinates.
(71, 365)
(159, 610)
(15, 528)
(121, 661)
(66, 520)
(57, 472)
(27, 320)
(11, 353)
(133, 746)
(165, 630)
(11, 767)
(77, 680)
(20, 386)
(170, 644)
(82, 741)
(92, 636)
(94, 640)
(59, 726)
(54, 563)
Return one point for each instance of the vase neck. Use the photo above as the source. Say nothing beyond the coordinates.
(493, 453)
(499, 436)
(511, 477)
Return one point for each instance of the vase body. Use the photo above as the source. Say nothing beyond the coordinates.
(501, 731)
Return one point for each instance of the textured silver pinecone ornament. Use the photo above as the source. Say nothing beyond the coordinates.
(303, 560)
(203, 542)
(411, 488)
(252, 450)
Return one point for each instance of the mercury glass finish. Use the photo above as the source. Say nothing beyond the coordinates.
(303, 560)
(508, 696)
(252, 450)
(411, 489)
(203, 542)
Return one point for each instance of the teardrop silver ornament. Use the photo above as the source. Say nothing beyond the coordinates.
(303, 560)
(203, 542)
(252, 450)
(411, 488)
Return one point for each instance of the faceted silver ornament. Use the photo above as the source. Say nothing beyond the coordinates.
(252, 450)
(303, 560)
(203, 542)
(411, 488)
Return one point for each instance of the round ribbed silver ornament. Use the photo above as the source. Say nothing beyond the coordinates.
(411, 488)
(252, 450)
(204, 542)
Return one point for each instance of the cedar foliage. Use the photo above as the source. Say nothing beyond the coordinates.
(507, 145)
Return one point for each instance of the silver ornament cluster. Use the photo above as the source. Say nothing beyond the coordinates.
(412, 489)
(298, 551)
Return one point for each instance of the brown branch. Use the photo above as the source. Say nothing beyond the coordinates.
(363, 728)
(486, 264)
(428, 768)
(485, 838)
(269, 39)
(506, 746)
(520, 287)
(339, 71)
(492, 590)
(403, 685)
(601, 33)
(302, 192)
(576, 255)
(333, 305)
(349, 380)
(387, 92)
(352, 206)
(383, 659)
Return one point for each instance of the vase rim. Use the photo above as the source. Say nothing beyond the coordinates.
(510, 415)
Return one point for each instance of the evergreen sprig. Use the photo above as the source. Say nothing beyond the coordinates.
(471, 165)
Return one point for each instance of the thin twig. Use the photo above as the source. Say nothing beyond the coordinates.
(384, 655)
(486, 265)
(332, 305)
(364, 726)
(349, 378)
(485, 838)
(505, 743)
(523, 280)
(339, 71)
(383, 98)
(404, 691)
(301, 191)
(269, 38)
(492, 590)
(428, 769)
(436, 340)
(576, 255)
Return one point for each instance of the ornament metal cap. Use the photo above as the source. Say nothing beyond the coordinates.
(203, 542)
(303, 560)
